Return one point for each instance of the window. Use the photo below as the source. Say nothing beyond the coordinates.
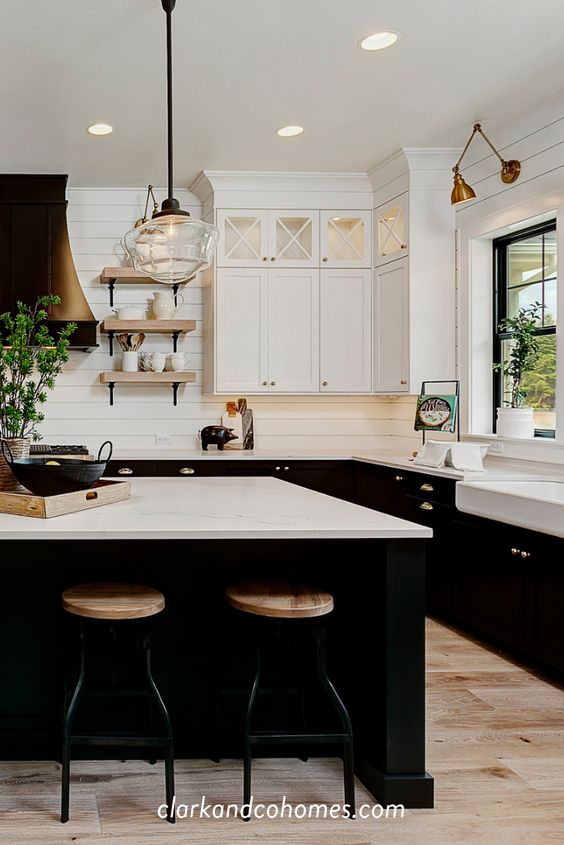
(525, 272)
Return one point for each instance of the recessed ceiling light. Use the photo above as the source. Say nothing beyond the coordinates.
(101, 129)
(379, 40)
(289, 131)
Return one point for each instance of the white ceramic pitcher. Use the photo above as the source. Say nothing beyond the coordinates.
(163, 304)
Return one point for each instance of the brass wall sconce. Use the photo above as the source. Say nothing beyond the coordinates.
(462, 192)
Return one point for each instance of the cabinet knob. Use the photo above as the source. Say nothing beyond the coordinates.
(399, 477)
(265, 384)
(273, 258)
(326, 259)
(403, 381)
(324, 383)
(427, 488)
(186, 471)
(265, 258)
(272, 383)
(125, 471)
(286, 469)
(278, 469)
(426, 506)
(403, 246)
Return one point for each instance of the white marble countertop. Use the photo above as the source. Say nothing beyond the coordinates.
(216, 509)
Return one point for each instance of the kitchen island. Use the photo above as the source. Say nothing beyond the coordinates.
(190, 540)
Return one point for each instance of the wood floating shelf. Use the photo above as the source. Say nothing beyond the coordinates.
(173, 327)
(114, 377)
(112, 276)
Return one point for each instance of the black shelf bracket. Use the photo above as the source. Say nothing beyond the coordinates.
(112, 287)
(111, 386)
(175, 386)
(175, 293)
(111, 334)
(175, 336)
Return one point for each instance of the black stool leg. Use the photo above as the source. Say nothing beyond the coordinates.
(332, 694)
(168, 741)
(248, 752)
(67, 728)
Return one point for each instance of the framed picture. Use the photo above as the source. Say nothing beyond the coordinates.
(436, 413)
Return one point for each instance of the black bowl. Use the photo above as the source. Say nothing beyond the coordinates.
(44, 479)
(68, 475)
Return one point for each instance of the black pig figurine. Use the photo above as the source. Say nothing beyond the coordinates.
(217, 434)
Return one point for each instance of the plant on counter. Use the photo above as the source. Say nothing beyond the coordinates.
(30, 359)
(516, 419)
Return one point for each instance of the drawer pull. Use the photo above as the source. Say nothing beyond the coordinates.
(515, 552)
(399, 477)
(427, 488)
(186, 471)
(125, 471)
(286, 469)
(278, 469)
(426, 506)
(92, 494)
(525, 555)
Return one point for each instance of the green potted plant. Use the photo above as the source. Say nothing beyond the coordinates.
(516, 419)
(30, 359)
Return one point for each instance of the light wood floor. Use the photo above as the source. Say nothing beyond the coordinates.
(495, 748)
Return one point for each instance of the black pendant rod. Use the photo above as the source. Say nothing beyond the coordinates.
(168, 7)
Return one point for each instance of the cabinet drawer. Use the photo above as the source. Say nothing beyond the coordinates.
(126, 469)
(427, 512)
(187, 468)
(431, 487)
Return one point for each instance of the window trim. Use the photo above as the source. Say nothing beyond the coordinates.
(499, 255)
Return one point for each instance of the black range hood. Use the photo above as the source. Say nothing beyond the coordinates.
(35, 255)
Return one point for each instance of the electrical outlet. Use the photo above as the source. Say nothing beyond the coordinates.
(496, 447)
(163, 439)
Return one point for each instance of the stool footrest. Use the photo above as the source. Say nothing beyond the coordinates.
(268, 738)
(121, 741)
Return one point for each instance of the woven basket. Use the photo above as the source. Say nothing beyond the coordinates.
(19, 446)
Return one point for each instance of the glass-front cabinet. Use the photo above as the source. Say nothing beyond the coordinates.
(294, 238)
(346, 239)
(391, 223)
(243, 240)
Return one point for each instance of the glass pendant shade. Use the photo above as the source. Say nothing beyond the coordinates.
(171, 247)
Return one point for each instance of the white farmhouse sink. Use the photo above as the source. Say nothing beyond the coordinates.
(529, 503)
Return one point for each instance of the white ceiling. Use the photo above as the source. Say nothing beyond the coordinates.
(245, 67)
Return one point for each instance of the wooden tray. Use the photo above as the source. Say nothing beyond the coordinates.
(44, 507)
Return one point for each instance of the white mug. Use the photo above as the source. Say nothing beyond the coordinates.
(178, 361)
(129, 362)
(158, 361)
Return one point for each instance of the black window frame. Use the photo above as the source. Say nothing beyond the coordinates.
(499, 249)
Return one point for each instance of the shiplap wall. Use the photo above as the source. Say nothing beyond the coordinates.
(78, 410)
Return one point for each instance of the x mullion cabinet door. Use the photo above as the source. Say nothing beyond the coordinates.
(243, 240)
(391, 230)
(293, 239)
(345, 239)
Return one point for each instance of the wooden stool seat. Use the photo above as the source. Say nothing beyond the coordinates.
(113, 601)
(279, 600)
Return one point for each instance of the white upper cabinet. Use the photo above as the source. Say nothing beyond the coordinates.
(243, 238)
(294, 238)
(346, 239)
(242, 331)
(293, 331)
(346, 331)
(391, 224)
(391, 328)
(279, 238)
